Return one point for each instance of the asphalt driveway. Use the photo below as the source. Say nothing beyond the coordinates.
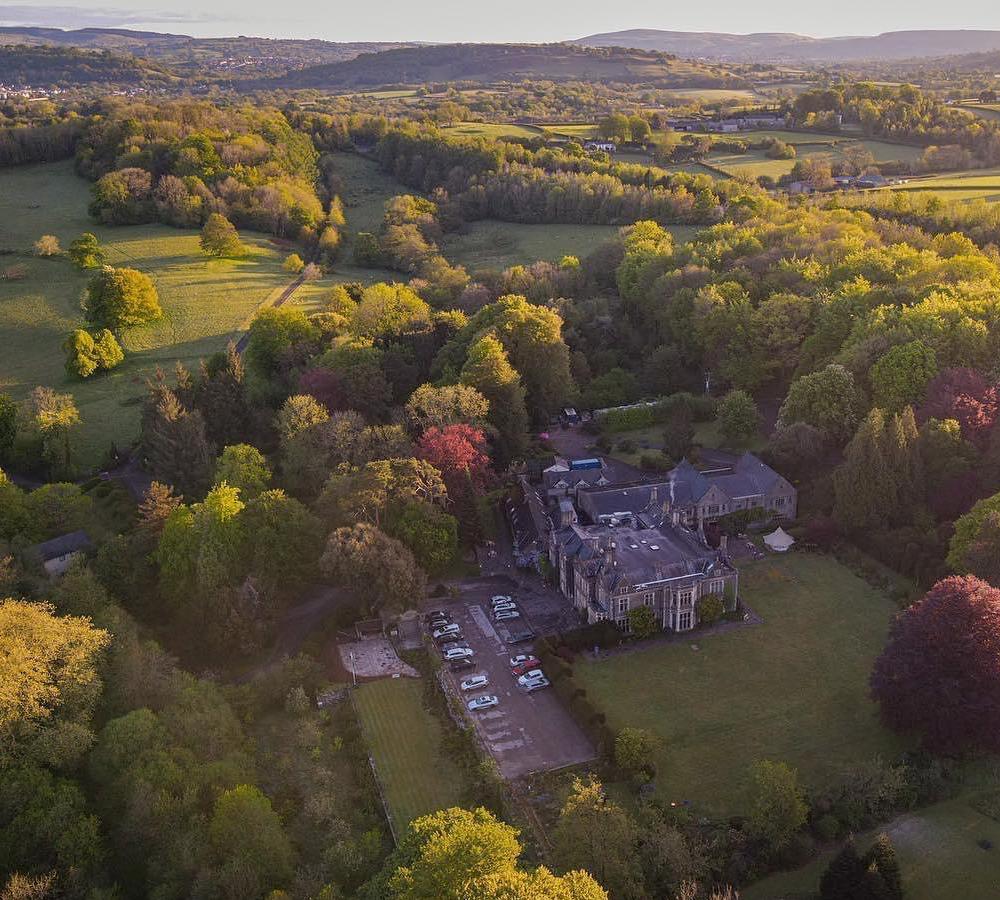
(526, 733)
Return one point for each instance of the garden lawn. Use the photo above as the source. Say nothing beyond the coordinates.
(406, 744)
(791, 689)
(937, 850)
(205, 301)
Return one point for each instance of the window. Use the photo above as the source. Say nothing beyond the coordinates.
(684, 598)
(684, 621)
(625, 625)
(647, 598)
(716, 587)
(779, 501)
(622, 605)
(713, 510)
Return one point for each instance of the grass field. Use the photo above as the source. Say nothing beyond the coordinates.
(976, 184)
(714, 95)
(405, 742)
(494, 130)
(205, 301)
(792, 689)
(984, 110)
(937, 851)
(706, 434)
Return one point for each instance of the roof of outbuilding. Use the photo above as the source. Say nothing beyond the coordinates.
(74, 542)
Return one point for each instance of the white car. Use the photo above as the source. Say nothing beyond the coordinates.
(522, 658)
(507, 615)
(501, 598)
(535, 685)
(486, 701)
(444, 632)
(501, 607)
(476, 681)
(533, 675)
(459, 653)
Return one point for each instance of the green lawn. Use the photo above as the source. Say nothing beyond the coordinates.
(494, 130)
(405, 742)
(792, 689)
(937, 852)
(205, 301)
(706, 434)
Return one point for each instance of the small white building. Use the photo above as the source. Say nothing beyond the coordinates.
(58, 554)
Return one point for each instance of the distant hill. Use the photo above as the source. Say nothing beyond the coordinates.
(60, 67)
(491, 63)
(228, 57)
(775, 47)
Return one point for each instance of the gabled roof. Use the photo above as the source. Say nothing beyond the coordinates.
(747, 477)
(74, 542)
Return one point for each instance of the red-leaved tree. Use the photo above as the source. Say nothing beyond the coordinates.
(966, 396)
(456, 450)
(939, 674)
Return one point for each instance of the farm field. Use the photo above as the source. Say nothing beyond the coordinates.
(791, 689)
(494, 130)
(984, 110)
(205, 301)
(405, 742)
(937, 851)
(580, 131)
(977, 184)
(715, 95)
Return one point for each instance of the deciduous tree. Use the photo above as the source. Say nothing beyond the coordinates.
(120, 298)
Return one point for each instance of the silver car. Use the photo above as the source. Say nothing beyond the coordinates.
(486, 701)
(507, 615)
(529, 677)
(459, 653)
(474, 682)
(535, 684)
(444, 632)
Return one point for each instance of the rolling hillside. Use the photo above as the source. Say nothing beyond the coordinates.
(490, 63)
(777, 46)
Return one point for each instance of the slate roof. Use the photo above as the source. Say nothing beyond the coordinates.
(748, 477)
(74, 542)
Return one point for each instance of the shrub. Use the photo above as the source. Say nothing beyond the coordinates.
(827, 827)
(47, 245)
(710, 609)
(293, 264)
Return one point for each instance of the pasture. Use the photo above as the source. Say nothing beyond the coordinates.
(937, 850)
(976, 184)
(406, 744)
(205, 301)
(794, 688)
(494, 130)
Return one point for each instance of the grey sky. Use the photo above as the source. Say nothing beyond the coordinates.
(496, 20)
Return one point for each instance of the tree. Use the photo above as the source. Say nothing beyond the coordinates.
(244, 467)
(298, 414)
(282, 543)
(828, 400)
(54, 416)
(427, 531)
(900, 376)
(595, 834)
(882, 858)
(635, 752)
(971, 534)
(293, 264)
(85, 252)
(378, 569)
(643, 622)
(174, 440)
(458, 853)
(8, 425)
(220, 238)
(678, 436)
(939, 674)
(438, 407)
(777, 806)
(456, 450)
(51, 679)
(85, 355)
(965, 395)
(711, 608)
(489, 371)
(738, 418)
(251, 851)
(844, 877)
(273, 333)
(389, 310)
(154, 510)
(47, 245)
(119, 298)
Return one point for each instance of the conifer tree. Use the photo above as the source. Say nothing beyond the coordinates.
(844, 877)
(865, 489)
(177, 450)
(882, 857)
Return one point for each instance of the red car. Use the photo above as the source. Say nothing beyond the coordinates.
(525, 667)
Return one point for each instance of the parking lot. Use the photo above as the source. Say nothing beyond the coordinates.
(526, 732)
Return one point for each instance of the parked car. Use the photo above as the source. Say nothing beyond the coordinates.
(529, 677)
(521, 635)
(458, 653)
(451, 645)
(536, 685)
(475, 681)
(522, 658)
(460, 665)
(445, 631)
(439, 622)
(486, 701)
(501, 598)
(503, 607)
(506, 615)
(525, 667)
(437, 614)
(450, 638)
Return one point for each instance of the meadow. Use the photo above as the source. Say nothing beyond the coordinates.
(406, 745)
(938, 851)
(206, 302)
(794, 688)
(976, 184)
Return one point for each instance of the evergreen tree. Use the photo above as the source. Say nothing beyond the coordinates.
(882, 857)
(489, 371)
(864, 486)
(904, 467)
(844, 877)
(177, 449)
